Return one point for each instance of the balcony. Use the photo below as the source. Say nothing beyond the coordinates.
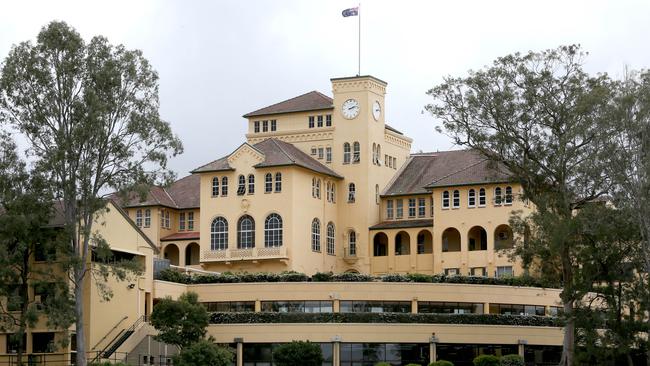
(252, 254)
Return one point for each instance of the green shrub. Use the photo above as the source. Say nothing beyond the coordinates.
(352, 277)
(298, 353)
(204, 353)
(512, 360)
(107, 363)
(486, 360)
(383, 364)
(441, 363)
(322, 277)
(413, 364)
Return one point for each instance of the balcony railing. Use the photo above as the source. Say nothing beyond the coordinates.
(229, 255)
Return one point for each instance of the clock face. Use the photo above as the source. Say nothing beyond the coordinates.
(376, 110)
(350, 108)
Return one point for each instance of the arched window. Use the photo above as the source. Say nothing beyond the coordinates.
(330, 238)
(246, 232)
(445, 199)
(456, 198)
(273, 231)
(356, 155)
(268, 183)
(241, 187)
(351, 192)
(215, 186)
(471, 198)
(328, 192)
(481, 197)
(313, 187)
(251, 184)
(333, 192)
(346, 153)
(147, 218)
(219, 234)
(278, 182)
(378, 154)
(138, 218)
(352, 243)
(318, 188)
(315, 235)
(374, 153)
(508, 195)
(224, 186)
(497, 196)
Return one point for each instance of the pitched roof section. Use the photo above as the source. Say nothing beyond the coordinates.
(307, 102)
(446, 168)
(402, 224)
(280, 153)
(187, 235)
(182, 194)
(218, 165)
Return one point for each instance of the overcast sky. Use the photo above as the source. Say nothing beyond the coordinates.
(218, 60)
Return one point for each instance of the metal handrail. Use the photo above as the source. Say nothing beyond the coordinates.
(109, 332)
(132, 328)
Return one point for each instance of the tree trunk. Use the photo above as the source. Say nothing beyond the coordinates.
(568, 342)
(79, 312)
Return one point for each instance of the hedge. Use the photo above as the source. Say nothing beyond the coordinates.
(394, 318)
(291, 276)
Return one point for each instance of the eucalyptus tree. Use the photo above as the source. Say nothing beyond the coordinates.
(89, 111)
(541, 118)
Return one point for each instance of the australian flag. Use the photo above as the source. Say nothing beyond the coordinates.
(352, 12)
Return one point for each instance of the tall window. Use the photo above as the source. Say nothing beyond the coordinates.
(319, 121)
(278, 182)
(328, 120)
(330, 238)
(377, 193)
(422, 208)
(256, 125)
(313, 187)
(431, 206)
(138, 218)
(497, 196)
(224, 186)
(357, 152)
(246, 232)
(251, 184)
(374, 153)
(445, 199)
(400, 209)
(265, 126)
(389, 209)
(215, 186)
(167, 221)
(273, 231)
(333, 192)
(351, 192)
(328, 192)
(147, 218)
(181, 221)
(274, 125)
(219, 234)
(456, 198)
(411, 207)
(311, 121)
(328, 154)
(352, 243)
(321, 153)
(481, 197)
(471, 198)
(241, 187)
(268, 183)
(190, 221)
(508, 199)
(346, 153)
(315, 235)
(318, 188)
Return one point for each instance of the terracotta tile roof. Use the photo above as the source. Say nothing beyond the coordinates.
(276, 153)
(402, 224)
(280, 153)
(183, 193)
(307, 102)
(445, 168)
(188, 235)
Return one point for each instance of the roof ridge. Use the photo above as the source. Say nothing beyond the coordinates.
(290, 157)
(290, 99)
(458, 171)
(397, 175)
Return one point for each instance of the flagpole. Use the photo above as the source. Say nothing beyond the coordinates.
(359, 70)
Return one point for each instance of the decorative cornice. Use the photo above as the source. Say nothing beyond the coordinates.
(297, 136)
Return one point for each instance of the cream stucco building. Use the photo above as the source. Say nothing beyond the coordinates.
(324, 184)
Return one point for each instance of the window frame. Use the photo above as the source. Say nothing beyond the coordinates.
(346, 153)
(268, 183)
(352, 192)
(224, 186)
(331, 239)
(251, 184)
(315, 235)
(278, 182)
(245, 235)
(219, 239)
(215, 186)
(446, 200)
(273, 231)
(471, 198)
(482, 198)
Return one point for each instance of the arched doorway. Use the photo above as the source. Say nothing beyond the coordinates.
(192, 254)
(402, 243)
(503, 238)
(380, 245)
(171, 253)
(451, 240)
(425, 242)
(477, 239)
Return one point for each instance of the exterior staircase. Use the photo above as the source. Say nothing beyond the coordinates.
(119, 339)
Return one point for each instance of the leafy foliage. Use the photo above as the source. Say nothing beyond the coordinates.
(511, 360)
(298, 353)
(441, 363)
(181, 322)
(402, 318)
(204, 353)
(486, 360)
